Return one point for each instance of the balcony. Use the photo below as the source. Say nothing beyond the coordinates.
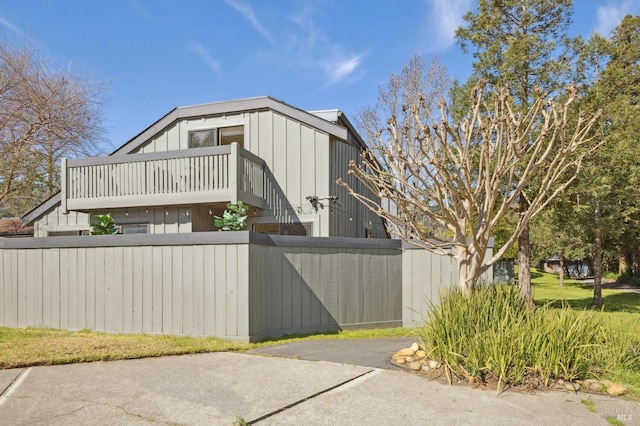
(194, 176)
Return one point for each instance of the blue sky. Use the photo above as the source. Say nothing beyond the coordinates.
(321, 54)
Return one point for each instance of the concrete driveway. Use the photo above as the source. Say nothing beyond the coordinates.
(217, 388)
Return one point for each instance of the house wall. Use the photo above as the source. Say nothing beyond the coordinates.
(350, 218)
(55, 221)
(160, 220)
(296, 156)
(301, 161)
(233, 285)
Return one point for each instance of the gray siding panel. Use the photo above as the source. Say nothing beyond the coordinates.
(248, 289)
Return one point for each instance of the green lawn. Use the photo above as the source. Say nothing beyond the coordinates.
(621, 309)
(23, 347)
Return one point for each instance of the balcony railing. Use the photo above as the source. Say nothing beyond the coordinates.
(193, 176)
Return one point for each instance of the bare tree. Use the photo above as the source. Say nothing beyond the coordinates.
(45, 113)
(464, 177)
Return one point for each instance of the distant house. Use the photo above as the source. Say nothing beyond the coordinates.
(183, 169)
(12, 227)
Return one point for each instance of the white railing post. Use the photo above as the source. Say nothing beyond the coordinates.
(63, 189)
(234, 169)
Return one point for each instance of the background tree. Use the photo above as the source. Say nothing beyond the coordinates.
(559, 231)
(464, 177)
(522, 44)
(608, 193)
(45, 113)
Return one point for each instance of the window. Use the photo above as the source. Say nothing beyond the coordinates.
(74, 233)
(201, 138)
(267, 228)
(134, 228)
(215, 137)
(302, 229)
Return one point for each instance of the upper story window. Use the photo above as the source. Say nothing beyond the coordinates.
(217, 136)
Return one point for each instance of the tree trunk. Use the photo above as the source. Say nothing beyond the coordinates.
(597, 260)
(561, 270)
(623, 263)
(524, 259)
(465, 273)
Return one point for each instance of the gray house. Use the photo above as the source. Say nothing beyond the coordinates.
(183, 169)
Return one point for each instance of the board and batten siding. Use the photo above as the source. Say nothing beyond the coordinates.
(197, 290)
(306, 289)
(233, 285)
(296, 155)
(351, 218)
(160, 220)
(297, 166)
(425, 275)
(54, 221)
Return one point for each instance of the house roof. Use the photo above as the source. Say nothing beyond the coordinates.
(225, 107)
(339, 128)
(13, 227)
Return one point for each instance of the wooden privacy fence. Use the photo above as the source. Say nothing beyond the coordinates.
(233, 285)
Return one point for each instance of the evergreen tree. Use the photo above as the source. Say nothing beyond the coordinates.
(522, 44)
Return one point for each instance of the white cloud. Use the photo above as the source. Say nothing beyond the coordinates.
(7, 24)
(341, 69)
(445, 18)
(310, 48)
(250, 16)
(610, 15)
(203, 54)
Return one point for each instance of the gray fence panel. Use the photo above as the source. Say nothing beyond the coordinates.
(241, 286)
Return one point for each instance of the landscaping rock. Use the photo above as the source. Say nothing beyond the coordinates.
(616, 389)
(596, 386)
(415, 365)
(415, 347)
(399, 360)
(409, 359)
(405, 352)
(420, 354)
(434, 365)
(572, 387)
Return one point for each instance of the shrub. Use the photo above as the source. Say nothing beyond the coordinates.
(233, 219)
(105, 225)
(491, 334)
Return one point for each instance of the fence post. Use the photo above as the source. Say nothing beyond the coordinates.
(63, 186)
(233, 172)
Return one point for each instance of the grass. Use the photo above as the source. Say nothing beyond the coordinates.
(36, 346)
(24, 347)
(621, 311)
(589, 404)
(621, 308)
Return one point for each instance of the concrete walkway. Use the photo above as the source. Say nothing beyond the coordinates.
(219, 387)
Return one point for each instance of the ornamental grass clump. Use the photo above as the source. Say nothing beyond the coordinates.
(492, 335)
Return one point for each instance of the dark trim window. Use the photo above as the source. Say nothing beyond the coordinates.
(73, 233)
(217, 136)
(303, 229)
(134, 228)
